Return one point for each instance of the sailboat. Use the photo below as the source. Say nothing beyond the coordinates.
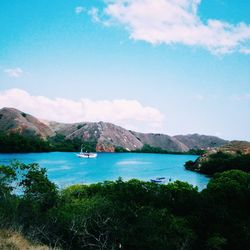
(86, 154)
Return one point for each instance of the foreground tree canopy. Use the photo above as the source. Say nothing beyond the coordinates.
(126, 215)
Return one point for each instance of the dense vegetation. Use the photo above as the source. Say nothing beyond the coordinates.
(15, 143)
(127, 215)
(156, 150)
(60, 143)
(220, 162)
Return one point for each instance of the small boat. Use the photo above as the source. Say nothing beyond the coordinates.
(161, 178)
(158, 180)
(86, 154)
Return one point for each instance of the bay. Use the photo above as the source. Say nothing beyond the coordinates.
(67, 169)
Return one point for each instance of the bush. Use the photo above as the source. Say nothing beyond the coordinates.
(221, 162)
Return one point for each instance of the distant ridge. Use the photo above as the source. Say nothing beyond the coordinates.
(106, 136)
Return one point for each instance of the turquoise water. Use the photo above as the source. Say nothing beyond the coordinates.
(66, 168)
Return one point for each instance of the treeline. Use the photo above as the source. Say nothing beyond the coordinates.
(16, 143)
(156, 150)
(220, 162)
(127, 215)
(61, 144)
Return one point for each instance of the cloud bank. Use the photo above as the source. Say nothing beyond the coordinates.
(130, 114)
(176, 22)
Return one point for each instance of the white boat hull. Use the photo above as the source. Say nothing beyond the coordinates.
(87, 155)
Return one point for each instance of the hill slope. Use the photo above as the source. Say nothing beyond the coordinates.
(161, 141)
(197, 141)
(236, 146)
(105, 136)
(15, 121)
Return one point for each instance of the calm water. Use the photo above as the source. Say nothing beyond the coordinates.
(66, 169)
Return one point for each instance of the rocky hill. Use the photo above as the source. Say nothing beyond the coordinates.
(106, 136)
(236, 147)
(161, 141)
(197, 141)
(15, 121)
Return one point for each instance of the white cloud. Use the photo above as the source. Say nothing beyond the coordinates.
(94, 13)
(245, 51)
(79, 9)
(14, 72)
(130, 114)
(176, 22)
(98, 17)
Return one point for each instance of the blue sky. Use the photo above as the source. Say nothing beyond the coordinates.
(172, 66)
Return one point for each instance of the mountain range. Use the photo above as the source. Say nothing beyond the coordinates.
(106, 136)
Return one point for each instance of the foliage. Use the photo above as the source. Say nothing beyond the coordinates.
(60, 143)
(120, 150)
(127, 215)
(15, 143)
(157, 150)
(80, 126)
(149, 149)
(220, 162)
(196, 151)
(226, 203)
(190, 165)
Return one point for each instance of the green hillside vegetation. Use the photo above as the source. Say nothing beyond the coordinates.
(220, 162)
(126, 215)
(60, 143)
(15, 143)
(156, 150)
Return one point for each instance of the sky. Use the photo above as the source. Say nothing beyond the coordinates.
(163, 66)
